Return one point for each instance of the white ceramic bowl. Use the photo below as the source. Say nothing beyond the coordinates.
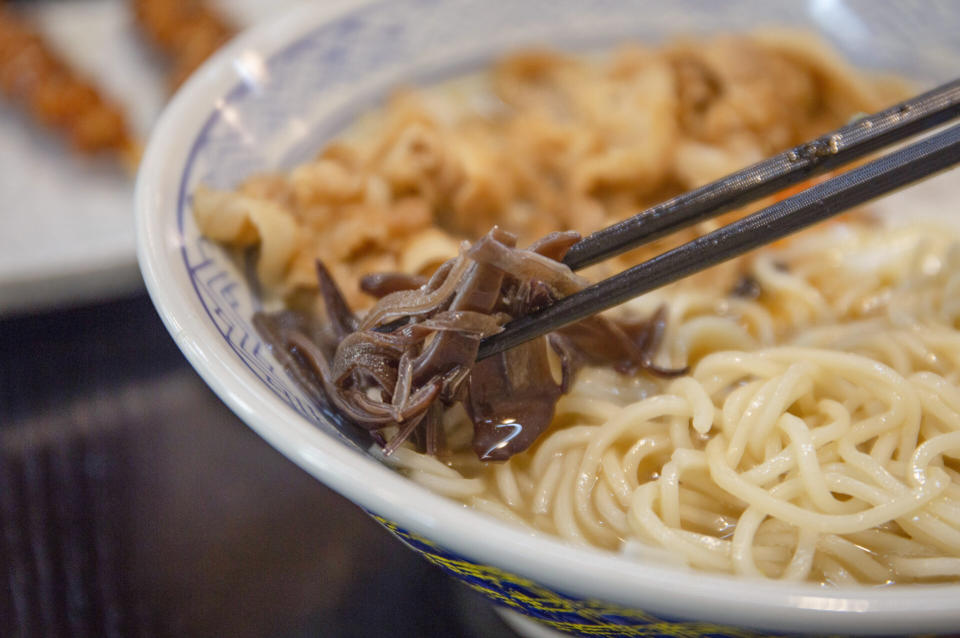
(270, 99)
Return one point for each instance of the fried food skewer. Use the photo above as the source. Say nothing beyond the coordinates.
(57, 96)
(187, 32)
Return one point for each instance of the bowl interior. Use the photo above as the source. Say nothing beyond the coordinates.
(288, 102)
(273, 97)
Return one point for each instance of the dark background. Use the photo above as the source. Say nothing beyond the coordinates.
(133, 503)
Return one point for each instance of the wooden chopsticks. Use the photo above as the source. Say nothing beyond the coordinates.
(874, 179)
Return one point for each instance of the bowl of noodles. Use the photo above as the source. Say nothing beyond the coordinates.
(337, 208)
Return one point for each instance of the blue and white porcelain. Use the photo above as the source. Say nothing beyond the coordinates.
(273, 96)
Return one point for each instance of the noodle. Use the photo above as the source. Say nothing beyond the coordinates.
(822, 442)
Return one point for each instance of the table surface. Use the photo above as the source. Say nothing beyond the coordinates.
(134, 503)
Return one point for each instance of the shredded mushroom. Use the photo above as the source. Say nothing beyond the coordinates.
(414, 353)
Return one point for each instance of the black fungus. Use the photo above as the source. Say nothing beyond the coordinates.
(414, 353)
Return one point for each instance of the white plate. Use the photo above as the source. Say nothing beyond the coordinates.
(66, 223)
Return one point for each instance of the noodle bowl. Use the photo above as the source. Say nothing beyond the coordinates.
(817, 433)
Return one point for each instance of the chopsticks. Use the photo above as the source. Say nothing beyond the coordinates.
(840, 147)
(874, 179)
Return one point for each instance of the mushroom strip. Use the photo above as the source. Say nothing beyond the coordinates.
(414, 353)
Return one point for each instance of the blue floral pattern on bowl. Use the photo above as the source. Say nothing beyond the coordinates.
(554, 609)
